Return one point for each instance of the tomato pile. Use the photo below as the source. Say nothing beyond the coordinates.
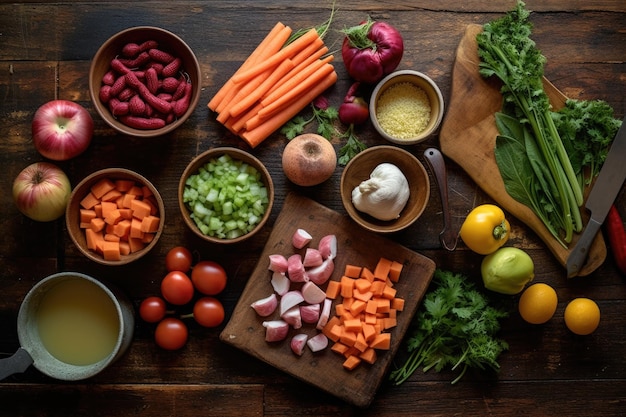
(178, 289)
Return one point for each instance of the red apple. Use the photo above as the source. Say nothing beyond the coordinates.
(62, 129)
(41, 191)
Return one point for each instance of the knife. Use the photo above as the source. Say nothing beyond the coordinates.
(602, 195)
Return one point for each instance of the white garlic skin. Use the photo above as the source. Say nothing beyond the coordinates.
(384, 194)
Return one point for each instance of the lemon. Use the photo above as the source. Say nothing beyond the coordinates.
(582, 316)
(538, 303)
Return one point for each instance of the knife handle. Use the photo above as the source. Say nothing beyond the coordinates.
(577, 258)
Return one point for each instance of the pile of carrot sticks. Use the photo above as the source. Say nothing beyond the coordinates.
(274, 83)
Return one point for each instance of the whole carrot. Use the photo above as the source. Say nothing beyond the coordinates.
(617, 237)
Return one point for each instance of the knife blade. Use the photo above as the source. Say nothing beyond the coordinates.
(602, 195)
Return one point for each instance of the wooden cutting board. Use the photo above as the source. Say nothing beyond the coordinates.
(468, 136)
(356, 246)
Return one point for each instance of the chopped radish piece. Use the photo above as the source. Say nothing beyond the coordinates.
(293, 317)
(312, 293)
(265, 306)
(298, 342)
(278, 263)
(312, 257)
(317, 342)
(321, 274)
(290, 299)
(325, 314)
(295, 268)
(275, 330)
(301, 238)
(280, 283)
(328, 246)
(310, 313)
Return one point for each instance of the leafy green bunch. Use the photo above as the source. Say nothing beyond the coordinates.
(455, 327)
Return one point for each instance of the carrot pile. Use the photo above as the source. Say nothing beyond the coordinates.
(274, 83)
(368, 308)
(119, 217)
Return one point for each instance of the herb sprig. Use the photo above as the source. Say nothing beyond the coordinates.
(456, 326)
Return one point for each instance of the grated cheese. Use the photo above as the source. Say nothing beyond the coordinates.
(403, 110)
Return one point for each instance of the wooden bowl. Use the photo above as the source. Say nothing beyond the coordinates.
(432, 92)
(72, 213)
(168, 42)
(200, 161)
(359, 170)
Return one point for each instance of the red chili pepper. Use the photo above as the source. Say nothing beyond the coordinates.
(617, 237)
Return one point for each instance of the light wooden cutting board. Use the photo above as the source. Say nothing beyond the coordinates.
(356, 246)
(468, 136)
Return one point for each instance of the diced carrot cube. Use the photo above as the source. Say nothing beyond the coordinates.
(395, 270)
(351, 362)
(140, 208)
(389, 322)
(397, 304)
(98, 209)
(124, 185)
(113, 216)
(370, 318)
(111, 251)
(122, 229)
(381, 341)
(367, 274)
(362, 284)
(127, 200)
(135, 244)
(150, 224)
(362, 296)
(383, 305)
(333, 290)
(107, 208)
(147, 238)
(352, 271)
(92, 238)
(382, 269)
(328, 328)
(146, 192)
(112, 195)
(357, 307)
(340, 309)
(135, 229)
(154, 209)
(87, 215)
(371, 307)
(347, 285)
(360, 343)
(389, 292)
(136, 190)
(89, 201)
(393, 313)
(352, 351)
(347, 338)
(124, 248)
(378, 287)
(126, 213)
(102, 187)
(369, 356)
(368, 331)
(335, 332)
(110, 237)
(96, 224)
(339, 348)
(352, 325)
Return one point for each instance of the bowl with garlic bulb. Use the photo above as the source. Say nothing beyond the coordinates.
(385, 189)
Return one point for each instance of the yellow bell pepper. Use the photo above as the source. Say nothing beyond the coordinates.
(485, 229)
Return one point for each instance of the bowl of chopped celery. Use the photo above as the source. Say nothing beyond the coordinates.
(406, 107)
(225, 195)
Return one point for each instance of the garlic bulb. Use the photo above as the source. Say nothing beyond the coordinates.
(384, 194)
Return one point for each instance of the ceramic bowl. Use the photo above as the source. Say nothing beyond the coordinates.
(112, 48)
(200, 161)
(435, 100)
(77, 231)
(359, 170)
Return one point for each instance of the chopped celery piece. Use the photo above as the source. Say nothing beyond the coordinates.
(226, 197)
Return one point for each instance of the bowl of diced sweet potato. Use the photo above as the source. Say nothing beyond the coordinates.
(115, 216)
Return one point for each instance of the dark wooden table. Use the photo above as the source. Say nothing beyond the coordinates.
(45, 53)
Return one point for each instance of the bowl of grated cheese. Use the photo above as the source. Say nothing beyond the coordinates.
(406, 107)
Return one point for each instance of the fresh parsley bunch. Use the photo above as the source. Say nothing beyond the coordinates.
(455, 327)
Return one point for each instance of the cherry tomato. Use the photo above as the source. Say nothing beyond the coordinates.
(208, 312)
(171, 334)
(177, 288)
(178, 259)
(152, 309)
(209, 277)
